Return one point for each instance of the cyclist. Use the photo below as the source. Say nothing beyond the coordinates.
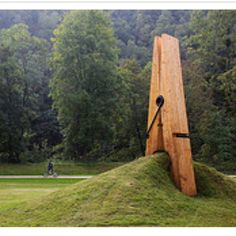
(50, 168)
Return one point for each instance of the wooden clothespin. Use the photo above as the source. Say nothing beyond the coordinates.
(170, 131)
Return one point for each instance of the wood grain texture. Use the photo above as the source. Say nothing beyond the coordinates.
(167, 81)
(175, 109)
(155, 140)
(168, 110)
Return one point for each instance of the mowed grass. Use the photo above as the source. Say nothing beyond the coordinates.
(140, 193)
(62, 168)
(15, 192)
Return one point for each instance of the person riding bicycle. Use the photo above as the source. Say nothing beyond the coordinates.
(50, 168)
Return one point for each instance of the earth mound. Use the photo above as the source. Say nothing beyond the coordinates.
(140, 193)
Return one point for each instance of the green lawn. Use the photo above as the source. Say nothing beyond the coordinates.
(62, 168)
(140, 193)
(15, 192)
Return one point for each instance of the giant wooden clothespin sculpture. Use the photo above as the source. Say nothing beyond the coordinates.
(167, 119)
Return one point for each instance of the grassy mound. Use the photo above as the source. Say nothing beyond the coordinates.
(140, 193)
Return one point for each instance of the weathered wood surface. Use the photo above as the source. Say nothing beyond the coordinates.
(154, 142)
(167, 81)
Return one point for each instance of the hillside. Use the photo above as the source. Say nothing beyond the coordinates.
(140, 193)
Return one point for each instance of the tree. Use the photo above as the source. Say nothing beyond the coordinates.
(40, 23)
(132, 116)
(211, 52)
(212, 43)
(84, 82)
(11, 112)
(133, 31)
(22, 72)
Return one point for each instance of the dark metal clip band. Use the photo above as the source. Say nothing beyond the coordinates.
(159, 102)
(181, 135)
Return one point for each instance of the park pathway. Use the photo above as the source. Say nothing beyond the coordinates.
(59, 177)
(42, 177)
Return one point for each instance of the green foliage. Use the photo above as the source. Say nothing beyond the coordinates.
(135, 30)
(100, 93)
(12, 85)
(40, 23)
(225, 86)
(211, 84)
(37, 153)
(212, 43)
(133, 112)
(84, 81)
(23, 67)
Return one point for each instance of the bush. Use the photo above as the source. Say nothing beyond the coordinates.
(37, 154)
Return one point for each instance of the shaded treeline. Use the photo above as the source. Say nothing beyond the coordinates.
(74, 85)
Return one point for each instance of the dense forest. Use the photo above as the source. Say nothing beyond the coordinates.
(75, 85)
